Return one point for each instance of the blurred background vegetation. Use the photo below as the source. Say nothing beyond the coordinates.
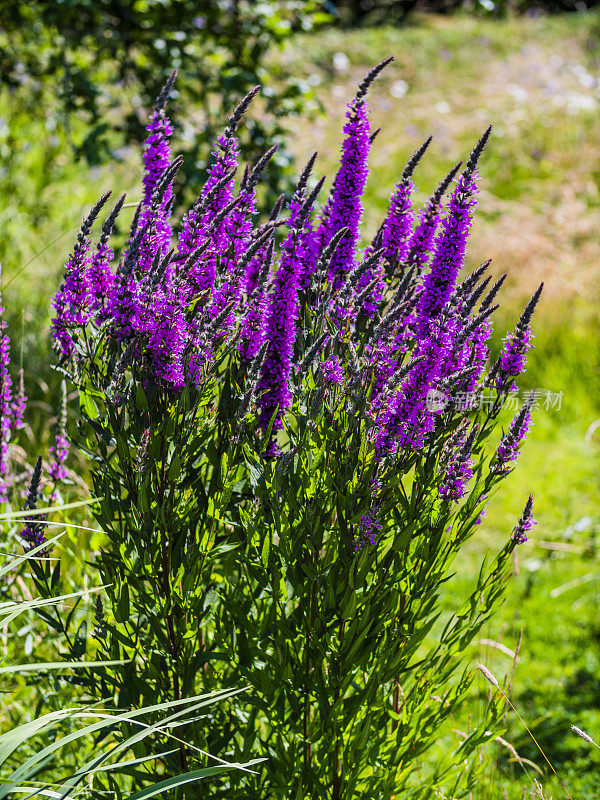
(77, 78)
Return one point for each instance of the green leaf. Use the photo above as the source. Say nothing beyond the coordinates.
(186, 777)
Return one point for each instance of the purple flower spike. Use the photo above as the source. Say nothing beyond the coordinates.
(397, 227)
(459, 471)
(419, 248)
(196, 228)
(5, 411)
(166, 330)
(157, 152)
(526, 522)
(100, 280)
(449, 254)
(517, 344)
(451, 242)
(346, 205)
(280, 328)
(19, 403)
(60, 449)
(155, 209)
(508, 449)
(408, 416)
(32, 534)
(253, 325)
(71, 300)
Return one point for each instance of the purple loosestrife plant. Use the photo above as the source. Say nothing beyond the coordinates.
(282, 470)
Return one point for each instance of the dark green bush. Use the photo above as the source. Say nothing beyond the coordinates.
(99, 55)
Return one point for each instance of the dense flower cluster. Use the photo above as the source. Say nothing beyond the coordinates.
(390, 323)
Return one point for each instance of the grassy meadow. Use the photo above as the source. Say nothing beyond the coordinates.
(537, 81)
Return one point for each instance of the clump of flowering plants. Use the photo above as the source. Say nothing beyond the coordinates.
(282, 468)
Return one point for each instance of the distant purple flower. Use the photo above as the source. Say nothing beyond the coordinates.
(346, 205)
(60, 449)
(59, 452)
(19, 403)
(6, 411)
(526, 522)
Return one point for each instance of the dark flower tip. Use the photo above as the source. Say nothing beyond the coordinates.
(415, 158)
(163, 97)
(476, 153)
(443, 187)
(363, 87)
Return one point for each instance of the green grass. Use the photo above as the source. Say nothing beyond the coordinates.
(538, 217)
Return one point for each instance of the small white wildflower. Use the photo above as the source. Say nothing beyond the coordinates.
(341, 62)
(399, 89)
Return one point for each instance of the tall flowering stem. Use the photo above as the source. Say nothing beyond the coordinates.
(346, 204)
(32, 535)
(513, 359)
(60, 449)
(6, 410)
(526, 523)
(450, 245)
(279, 332)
